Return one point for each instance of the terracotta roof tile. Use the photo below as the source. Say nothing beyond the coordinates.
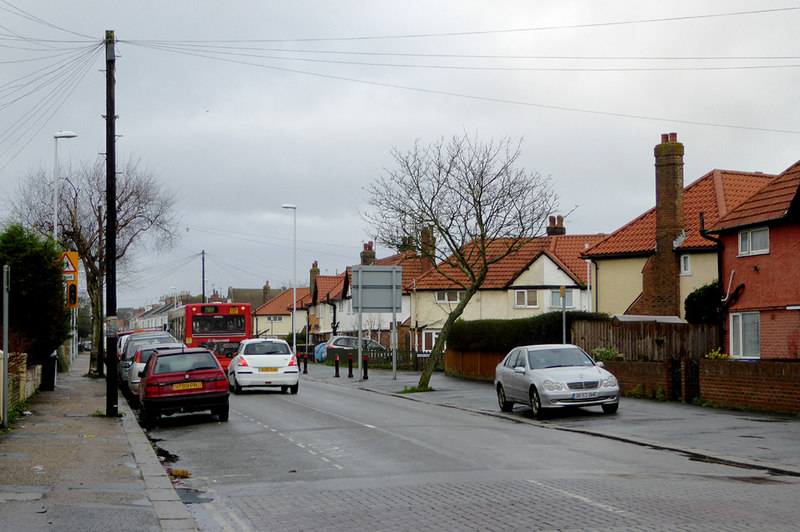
(769, 203)
(329, 286)
(564, 250)
(715, 194)
(280, 304)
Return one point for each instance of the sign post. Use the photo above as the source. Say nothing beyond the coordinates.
(378, 289)
(6, 290)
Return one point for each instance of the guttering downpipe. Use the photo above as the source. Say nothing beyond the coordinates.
(720, 248)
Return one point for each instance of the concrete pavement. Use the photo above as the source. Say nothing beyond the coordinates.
(67, 467)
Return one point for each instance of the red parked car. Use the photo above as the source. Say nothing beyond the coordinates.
(182, 380)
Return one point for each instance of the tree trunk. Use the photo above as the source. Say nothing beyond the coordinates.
(98, 341)
(438, 347)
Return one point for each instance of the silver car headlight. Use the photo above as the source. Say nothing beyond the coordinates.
(552, 386)
(609, 382)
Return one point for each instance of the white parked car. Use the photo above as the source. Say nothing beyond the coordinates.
(556, 375)
(261, 362)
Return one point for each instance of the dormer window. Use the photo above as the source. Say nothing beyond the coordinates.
(754, 241)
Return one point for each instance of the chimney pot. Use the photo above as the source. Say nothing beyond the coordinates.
(552, 221)
(673, 137)
(664, 137)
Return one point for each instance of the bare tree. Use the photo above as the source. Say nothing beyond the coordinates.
(144, 209)
(480, 206)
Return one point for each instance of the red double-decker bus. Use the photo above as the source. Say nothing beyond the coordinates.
(218, 327)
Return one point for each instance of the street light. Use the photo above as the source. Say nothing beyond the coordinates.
(293, 208)
(57, 135)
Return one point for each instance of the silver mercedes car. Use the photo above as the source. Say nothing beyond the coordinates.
(554, 375)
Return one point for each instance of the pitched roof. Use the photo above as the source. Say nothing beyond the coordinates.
(412, 266)
(715, 195)
(328, 287)
(564, 250)
(772, 202)
(280, 304)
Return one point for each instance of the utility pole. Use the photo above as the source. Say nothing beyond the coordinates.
(203, 267)
(111, 232)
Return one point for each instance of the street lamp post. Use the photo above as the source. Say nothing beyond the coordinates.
(57, 135)
(293, 208)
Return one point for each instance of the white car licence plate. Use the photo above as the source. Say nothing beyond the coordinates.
(584, 395)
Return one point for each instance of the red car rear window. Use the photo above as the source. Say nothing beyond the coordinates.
(181, 362)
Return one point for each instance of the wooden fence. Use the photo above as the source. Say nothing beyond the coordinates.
(646, 340)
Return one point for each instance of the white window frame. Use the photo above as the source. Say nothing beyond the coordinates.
(447, 296)
(526, 295)
(746, 241)
(555, 295)
(429, 337)
(686, 264)
(745, 335)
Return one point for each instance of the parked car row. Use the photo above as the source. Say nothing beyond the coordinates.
(162, 376)
(165, 377)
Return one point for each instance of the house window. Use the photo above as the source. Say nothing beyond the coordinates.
(686, 265)
(754, 241)
(274, 318)
(745, 335)
(525, 298)
(449, 296)
(555, 298)
(428, 339)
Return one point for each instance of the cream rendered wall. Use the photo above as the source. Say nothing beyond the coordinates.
(543, 275)
(703, 271)
(265, 328)
(618, 283)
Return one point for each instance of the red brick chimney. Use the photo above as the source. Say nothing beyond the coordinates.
(556, 226)
(428, 247)
(368, 255)
(312, 277)
(661, 274)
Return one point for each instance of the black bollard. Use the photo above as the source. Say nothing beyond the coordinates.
(336, 365)
(349, 366)
(366, 375)
(305, 364)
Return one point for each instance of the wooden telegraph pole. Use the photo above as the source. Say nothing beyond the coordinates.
(111, 233)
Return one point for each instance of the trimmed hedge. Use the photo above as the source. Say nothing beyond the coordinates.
(500, 336)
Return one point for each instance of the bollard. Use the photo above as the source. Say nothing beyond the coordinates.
(349, 366)
(305, 364)
(366, 375)
(336, 365)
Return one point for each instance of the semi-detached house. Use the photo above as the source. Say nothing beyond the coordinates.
(526, 283)
(760, 263)
(650, 265)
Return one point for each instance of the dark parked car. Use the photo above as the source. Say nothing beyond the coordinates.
(348, 345)
(182, 380)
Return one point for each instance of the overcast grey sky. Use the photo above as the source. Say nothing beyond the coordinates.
(240, 107)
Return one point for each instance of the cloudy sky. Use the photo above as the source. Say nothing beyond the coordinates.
(240, 107)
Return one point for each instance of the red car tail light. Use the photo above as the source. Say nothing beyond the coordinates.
(151, 390)
(243, 362)
(293, 362)
(221, 383)
(138, 356)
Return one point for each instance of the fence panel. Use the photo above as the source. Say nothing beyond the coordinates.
(646, 340)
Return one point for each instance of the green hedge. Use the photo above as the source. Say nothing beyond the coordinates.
(501, 336)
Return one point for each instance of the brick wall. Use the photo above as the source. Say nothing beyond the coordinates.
(650, 376)
(762, 385)
(780, 333)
